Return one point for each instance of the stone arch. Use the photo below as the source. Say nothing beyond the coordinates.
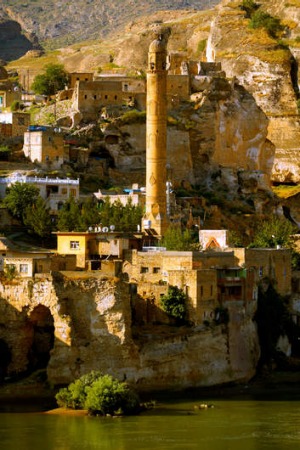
(41, 325)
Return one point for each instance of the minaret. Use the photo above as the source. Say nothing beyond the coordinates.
(156, 129)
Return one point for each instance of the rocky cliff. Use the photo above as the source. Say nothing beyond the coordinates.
(74, 324)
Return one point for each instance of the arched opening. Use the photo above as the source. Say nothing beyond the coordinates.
(42, 325)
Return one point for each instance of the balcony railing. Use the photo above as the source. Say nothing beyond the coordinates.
(38, 180)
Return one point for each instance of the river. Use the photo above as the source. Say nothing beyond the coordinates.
(239, 424)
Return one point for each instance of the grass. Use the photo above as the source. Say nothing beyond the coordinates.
(284, 191)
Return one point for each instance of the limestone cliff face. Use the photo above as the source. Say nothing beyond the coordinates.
(220, 129)
(267, 70)
(91, 330)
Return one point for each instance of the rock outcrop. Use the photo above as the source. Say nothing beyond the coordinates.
(77, 324)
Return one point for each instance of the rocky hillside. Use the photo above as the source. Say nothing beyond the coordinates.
(59, 23)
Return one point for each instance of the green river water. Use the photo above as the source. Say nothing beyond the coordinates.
(232, 425)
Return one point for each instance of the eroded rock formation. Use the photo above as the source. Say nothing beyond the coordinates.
(72, 325)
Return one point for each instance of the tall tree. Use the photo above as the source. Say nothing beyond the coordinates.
(54, 79)
(273, 232)
(19, 196)
(37, 218)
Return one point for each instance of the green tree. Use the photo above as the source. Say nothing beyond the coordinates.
(110, 396)
(100, 394)
(37, 218)
(19, 196)
(174, 239)
(273, 232)
(174, 303)
(69, 217)
(54, 79)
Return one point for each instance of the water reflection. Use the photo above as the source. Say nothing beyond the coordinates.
(231, 425)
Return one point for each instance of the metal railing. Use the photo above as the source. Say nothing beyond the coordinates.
(37, 180)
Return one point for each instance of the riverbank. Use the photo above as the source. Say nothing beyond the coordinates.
(35, 395)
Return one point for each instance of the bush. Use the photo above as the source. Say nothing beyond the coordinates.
(249, 6)
(272, 25)
(99, 394)
(174, 303)
(74, 395)
(109, 396)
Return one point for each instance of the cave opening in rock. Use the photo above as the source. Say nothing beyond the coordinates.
(42, 338)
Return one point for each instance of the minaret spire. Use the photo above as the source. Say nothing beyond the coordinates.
(156, 130)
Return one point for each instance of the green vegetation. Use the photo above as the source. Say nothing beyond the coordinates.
(273, 232)
(272, 25)
(37, 219)
(54, 79)
(249, 6)
(79, 217)
(20, 196)
(99, 394)
(133, 116)
(201, 46)
(174, 303)
(262, 19)
(175, 239)
(285, 191)
(15, 106)
(5, 151)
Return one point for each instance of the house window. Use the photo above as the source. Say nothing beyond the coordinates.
(211, 290)
(144, 269)
(47, 158)
(95, 97)
(261, 271)
(64, 191)
(116, 97)
(74, 245)
(23, 268)
(125, 87)
(73, 192)
(105, 96)
(156, 269)
(85, 97)
(201, 291)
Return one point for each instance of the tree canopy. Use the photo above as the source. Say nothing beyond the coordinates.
(174, 303)
(273, 232)
(99, 394)
(79, 217)
(54, 79)
(175, 239)
(37, 218)
(19, 196)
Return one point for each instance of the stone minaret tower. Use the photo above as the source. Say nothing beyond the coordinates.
(156, 146)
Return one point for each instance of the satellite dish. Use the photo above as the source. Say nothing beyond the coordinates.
(112, 228)
(16, 88)
(105, 230)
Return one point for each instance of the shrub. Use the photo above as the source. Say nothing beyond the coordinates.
(174, 303)
(109, 396)
(74, 395)
(249, 6)
(99, 394)
(272, 25)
